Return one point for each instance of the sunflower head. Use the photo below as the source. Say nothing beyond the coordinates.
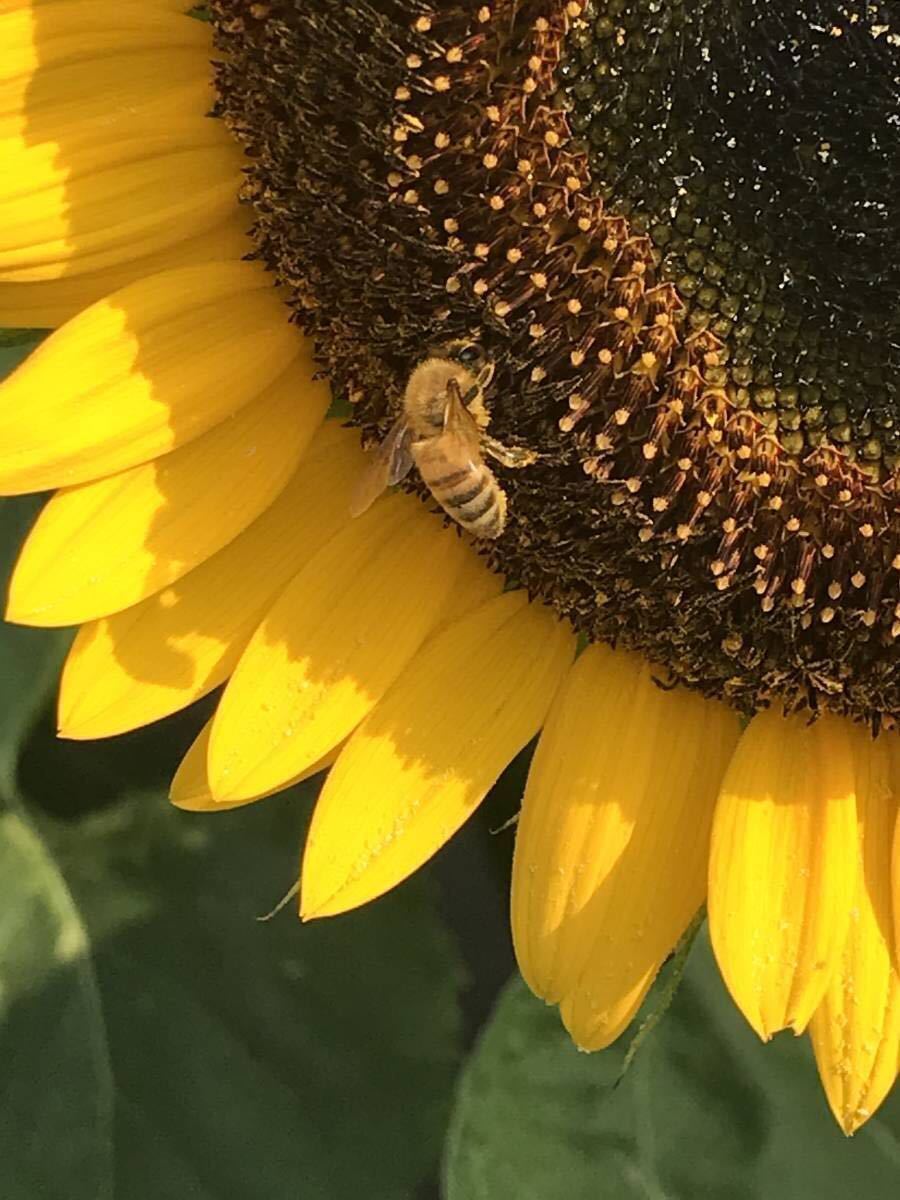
(671, 230)
(658, 237)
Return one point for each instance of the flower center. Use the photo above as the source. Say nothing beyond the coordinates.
(669, 227)
(758, 145)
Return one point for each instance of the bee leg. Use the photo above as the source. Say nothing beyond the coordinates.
(508, 456)
(485, 375)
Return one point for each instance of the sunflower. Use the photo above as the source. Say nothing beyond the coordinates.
(694, 602)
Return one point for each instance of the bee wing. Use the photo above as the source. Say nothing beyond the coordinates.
(400, 453)
(390, 462)
(461, 439)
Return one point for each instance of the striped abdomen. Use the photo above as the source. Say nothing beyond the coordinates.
(469, 493)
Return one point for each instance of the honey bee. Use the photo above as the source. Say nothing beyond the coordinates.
(442, 432)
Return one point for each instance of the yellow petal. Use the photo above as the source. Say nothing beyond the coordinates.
(474, 586)
(855, 1031)
(101, 547)
(90, 142)
(49, 303)
(36, 37)
(893, 744)
(115, 204)
(78, 76)
(334, 641)
(190, 786)
(144, 371)
(421, 763)
(96, 96)
(613, 839)
(159, 656)
(782, 868)
(177, 6)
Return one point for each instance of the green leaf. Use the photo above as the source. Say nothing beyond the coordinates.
(51, 1025)
(706, 1111)
(22, 340)
(16, 344)
(55, 1086)
(29, 658)
(250, 1060)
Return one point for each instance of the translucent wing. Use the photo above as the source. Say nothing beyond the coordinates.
(390, 463)
(400, 453)
(461, 439)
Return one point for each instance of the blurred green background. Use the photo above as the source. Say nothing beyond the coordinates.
(159, 1041)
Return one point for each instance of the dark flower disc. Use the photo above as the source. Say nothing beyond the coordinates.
(672, 226)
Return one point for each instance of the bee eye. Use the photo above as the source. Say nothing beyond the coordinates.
(470, 354)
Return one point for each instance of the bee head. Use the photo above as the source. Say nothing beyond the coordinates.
(472, 356)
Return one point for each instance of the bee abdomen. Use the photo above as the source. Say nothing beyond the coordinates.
(472, 497)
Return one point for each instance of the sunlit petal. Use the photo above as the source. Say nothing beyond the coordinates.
(418, 767)
(144, 371)
(159, 656)
(101, 547)
(612, 843)
(332, 644)
(51, 302)
(856, 1029)
(190, 785)
(781, 880)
